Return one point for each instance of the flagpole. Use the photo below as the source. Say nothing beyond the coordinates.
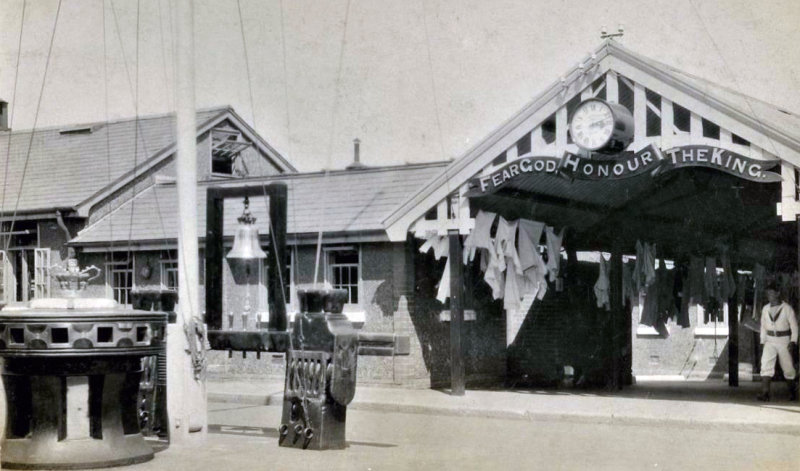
(186, 388)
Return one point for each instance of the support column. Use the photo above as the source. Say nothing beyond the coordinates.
(276, 262)
(457, 376)
(798, 262)
(213, 253)
(733, 341)
(618, 340)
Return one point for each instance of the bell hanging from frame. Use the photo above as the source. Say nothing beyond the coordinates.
(245, 242)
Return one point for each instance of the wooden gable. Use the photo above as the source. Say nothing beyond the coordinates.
(669, 110)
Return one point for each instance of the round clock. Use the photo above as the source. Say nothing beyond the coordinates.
(601, 126)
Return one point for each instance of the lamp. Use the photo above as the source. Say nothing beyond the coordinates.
(245, 242)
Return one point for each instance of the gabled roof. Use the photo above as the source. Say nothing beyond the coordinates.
(775, 130)
(71, 167)
(343, 202)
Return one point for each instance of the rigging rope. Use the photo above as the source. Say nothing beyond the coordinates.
(733, 76)
(436, 103)
(167, 90)
(135, 141)
(35, 120)
(7, 238)
(326, 178)
(247, 65)
(108, 129)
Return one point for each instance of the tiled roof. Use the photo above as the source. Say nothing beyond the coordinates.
(64, 169)
(343, 201)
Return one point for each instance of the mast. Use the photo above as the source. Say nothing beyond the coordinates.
(186, 389)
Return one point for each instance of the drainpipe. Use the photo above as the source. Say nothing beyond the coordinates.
(60, 221)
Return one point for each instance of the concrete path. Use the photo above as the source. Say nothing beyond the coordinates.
(697, 404)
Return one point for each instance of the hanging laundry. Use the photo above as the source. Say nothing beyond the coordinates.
(712, 306)
(512, 295)
(530, 233)
(680, 293)
(665, 279)
(759, 282)
(441, 247)
(697, 287)
(637, 268)
(553, 251)
(444, 284)
(480, 236)
(629, 293)
(533, 266)
(601, 286)
(505, 247)
(727, 283)
(536, 281)
(493, 275)
(439, 244)
(658, 302)
(650, 264)
(644, 272)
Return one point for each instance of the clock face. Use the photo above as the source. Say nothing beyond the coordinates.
(592, 124)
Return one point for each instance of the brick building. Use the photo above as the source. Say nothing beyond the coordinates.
(375, 220)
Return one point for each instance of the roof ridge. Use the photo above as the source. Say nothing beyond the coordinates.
(112, 121)
(333, 173)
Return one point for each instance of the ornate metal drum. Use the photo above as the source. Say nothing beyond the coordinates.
(320, 373)
(71, 377)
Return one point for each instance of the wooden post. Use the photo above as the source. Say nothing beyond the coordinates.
(733, 340)
(617, 308)
(186, 392)
(213, 252)
(798, 268)
(457, 379)
(277, 258)
(733, 347)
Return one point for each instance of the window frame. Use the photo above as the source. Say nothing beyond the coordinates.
(165, 263)
(292, 287)
(229, 134)
(111, 268)
(329, 266)
(710, 329)
(41, 273)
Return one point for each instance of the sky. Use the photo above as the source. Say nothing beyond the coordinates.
(415, 80)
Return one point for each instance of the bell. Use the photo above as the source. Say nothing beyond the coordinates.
(245, 242)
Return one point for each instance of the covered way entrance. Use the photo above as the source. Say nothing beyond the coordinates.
(686, 213)
(702, 173)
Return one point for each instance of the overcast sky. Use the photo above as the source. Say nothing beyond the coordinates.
(419, 81)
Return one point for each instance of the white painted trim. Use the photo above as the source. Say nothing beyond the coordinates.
(612, 58)
(647, 331)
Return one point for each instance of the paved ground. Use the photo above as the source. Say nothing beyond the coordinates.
(245, 438)
(655, 425)
(709, 405)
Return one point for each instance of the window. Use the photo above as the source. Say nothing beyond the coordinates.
(41, 270)
(119, 277)
(711, 324)
(225, 147)
(288, 287)
(343, 271)
(169, 269)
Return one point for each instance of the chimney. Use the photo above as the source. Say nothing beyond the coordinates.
(356, 156)
(4, 115)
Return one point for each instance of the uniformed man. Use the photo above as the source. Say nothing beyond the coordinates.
(778, 342)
